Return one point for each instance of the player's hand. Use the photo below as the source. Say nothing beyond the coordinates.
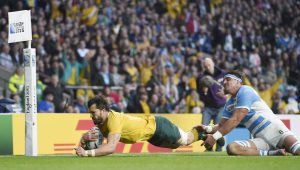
(91, 135)
(200, 128)
(80, 151)
(209, 142)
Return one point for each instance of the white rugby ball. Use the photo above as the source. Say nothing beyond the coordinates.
(88, 145)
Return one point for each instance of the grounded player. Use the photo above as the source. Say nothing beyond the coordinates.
(245, 107)
(116, 127)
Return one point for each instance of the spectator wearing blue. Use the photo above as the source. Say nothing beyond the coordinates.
(80, 104)
(210, 91)
(6, 105)
(46, 105)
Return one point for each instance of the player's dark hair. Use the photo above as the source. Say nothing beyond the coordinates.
(237, 73)
(100, 102)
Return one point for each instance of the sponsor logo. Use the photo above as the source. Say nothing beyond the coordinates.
(28, 105)
(27, 59)
(16, 28)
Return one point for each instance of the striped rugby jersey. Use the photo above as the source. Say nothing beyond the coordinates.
(259, 117)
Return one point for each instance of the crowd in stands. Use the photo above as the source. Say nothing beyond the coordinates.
(154, 51)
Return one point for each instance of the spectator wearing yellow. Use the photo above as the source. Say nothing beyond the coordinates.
(193, 101)
(174, 7)
(16, 81)
(55, 12)
(144, 103)
(279, 105)
(85, 92)
(144, 43)
(146, 68)
(132, 70)
(264, 91)
(170, 75)
(72, 68)
(89, 13)
(193, 78)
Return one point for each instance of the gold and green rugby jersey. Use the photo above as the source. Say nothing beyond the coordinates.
(131, 128)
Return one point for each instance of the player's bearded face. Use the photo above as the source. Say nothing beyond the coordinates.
(228, 84)
(95, 114)
(96, 118)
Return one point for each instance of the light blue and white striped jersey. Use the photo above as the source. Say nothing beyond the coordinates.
(259, 116)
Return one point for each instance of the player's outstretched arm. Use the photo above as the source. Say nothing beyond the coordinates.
(225, 127)
(104, 149)
(235, 120)
(110, 147)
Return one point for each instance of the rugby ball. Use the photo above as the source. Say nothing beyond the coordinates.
(88, 145)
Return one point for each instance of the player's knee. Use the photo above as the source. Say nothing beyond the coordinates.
(297, 152)
(232, 149)
(295, 149)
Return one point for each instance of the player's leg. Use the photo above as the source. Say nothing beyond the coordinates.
(292, 144)
(253, 147)
(167, 135)
(245, 147)
(190, 137)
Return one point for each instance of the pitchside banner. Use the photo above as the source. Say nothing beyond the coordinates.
(59, 133)
(19, 26)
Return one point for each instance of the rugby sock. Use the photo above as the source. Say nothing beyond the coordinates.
(278, 152)
(263, 153)
(198, 135)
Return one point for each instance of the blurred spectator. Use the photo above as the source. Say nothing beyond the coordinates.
(291, 100)
(104, 77)
(89, 13)
(72, 68)
(279, 105)
(112, 94)
(143, 106)
(6, 105)
(211, 93)
(193, 101)
(87, 93)
(16, 81)
(5, 58)
(55, 88)
(17, 107)
(80, 104)
(153, 103)
(164, 106)
(137, 39)
(17, 54)
(265, 90)
(116, 77)
(40, 87)
(46, 105)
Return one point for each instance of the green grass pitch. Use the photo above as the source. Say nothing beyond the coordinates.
(170, 161)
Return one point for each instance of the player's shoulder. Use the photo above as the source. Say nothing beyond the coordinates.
(247, 91)
(113, 113)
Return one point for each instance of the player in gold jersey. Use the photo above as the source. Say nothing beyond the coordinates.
(119, 127)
